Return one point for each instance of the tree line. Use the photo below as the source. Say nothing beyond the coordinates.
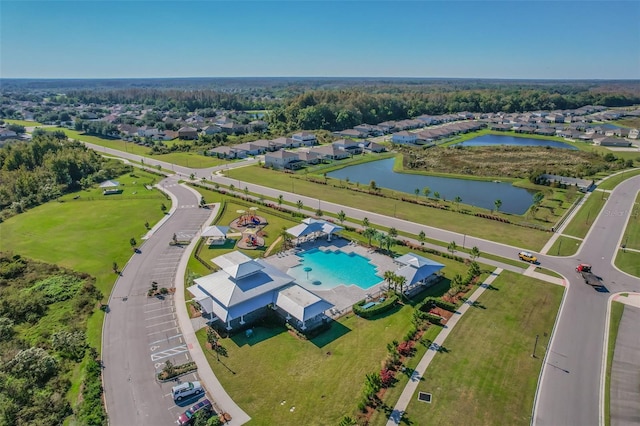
(34, 172)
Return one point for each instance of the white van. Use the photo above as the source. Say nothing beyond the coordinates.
(185, 390)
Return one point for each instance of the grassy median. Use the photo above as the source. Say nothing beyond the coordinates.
(485, 375)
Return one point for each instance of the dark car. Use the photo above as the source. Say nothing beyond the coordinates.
(186, 418)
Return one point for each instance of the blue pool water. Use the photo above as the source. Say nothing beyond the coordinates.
(329, 269)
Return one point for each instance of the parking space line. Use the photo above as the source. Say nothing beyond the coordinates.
(169, 352)
(158, 309)
(160, 323)
(167, 339)
(162, 331)
(159, 316)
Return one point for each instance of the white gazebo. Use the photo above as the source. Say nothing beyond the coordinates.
(311, 228)
(110, 187)
(216, 235)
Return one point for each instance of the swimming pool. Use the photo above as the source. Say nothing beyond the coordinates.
(324, 270)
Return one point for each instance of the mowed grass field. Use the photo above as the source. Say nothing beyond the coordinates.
(617, 309)
(485, 375)
(564, 246)
(450, 220)
(273, 371)
(612, 182)
(86, 235)
(186, 159)
(24, 123)
(586, 215)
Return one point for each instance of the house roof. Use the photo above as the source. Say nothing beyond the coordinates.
(229, 298)
(187, 129)
(416, 268)
(301, 303)
(109, 184)
(215, 231)
(310, 226)
(237, 264)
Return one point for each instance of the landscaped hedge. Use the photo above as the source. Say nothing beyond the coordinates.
(430, 302)
(177, 370)
(375, 309)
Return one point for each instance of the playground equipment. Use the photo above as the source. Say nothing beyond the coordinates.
(252, 240)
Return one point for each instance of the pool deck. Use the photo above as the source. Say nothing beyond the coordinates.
(341, 296)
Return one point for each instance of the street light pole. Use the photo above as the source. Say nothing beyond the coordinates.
(464, 239)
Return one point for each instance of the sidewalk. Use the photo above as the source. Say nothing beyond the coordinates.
(412, 385)
(214, 388)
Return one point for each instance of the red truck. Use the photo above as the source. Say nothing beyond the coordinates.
(589, 277)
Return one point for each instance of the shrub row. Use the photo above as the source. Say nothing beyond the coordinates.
(430, 302)
(375, 309)
(177, 370)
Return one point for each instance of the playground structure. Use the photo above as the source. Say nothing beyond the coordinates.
(250, 225)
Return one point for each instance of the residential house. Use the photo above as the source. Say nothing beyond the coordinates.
(286, 142)
(369, 130)
(147, 131)
(634, 133)
(249, 148)
(352, 133)
(370, 146)
(305, 138)
(330, 152)
(310, 157)
(211, 130)
(610, 141)
(387, 126)
(283, 160)
(227, 152)
(187, 133)
(233, 128)
(258, 126)
(352, 147)
(6, 134)
(404, 137)
(128, 130)
(266, 145)
(243, 290)
(419, 272)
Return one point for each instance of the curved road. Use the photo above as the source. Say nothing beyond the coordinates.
(568, 393)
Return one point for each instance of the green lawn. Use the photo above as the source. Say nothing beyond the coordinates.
(322, 378)
(451, 220)
(629, 262)
(587, 214)
(631, 237)
(485, 375)
(87, 234)
(617, 309)
(564, 246)
(24, 123)
(186, 159)
(614, 181)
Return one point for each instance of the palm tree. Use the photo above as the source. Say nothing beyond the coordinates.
(475, 253)
(286, 238)
(452, 247)
(365, 222)
(299, 205)
(457, 200)
(373, 186)
(393, 232)
(436, 195)
(370, 233)
(246, 191)
(382, 239)
(389, 276)
(280, 200)
(342, 216)
(417, 192)
(232, 187)
(426, 191)
(114, 267)
(319, 213)
(390, 242)
(498, 204)
(133, 243)
(400, 282)
(421, 237)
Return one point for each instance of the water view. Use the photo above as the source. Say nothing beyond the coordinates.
(491, 140)
(473, 192)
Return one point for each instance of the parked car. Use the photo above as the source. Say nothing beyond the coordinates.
(527, 257)
(185, 390)
(187, 417)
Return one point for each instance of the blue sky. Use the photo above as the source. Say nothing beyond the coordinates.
(461, 39)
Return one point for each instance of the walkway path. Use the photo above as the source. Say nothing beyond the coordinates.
(412, 385)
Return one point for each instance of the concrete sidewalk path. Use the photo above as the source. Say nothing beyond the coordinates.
(414, 380)
(207, 377)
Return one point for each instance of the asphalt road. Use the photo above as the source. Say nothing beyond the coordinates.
(140, 333)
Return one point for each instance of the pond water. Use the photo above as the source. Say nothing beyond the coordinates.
(473, 192)
(491, 140)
